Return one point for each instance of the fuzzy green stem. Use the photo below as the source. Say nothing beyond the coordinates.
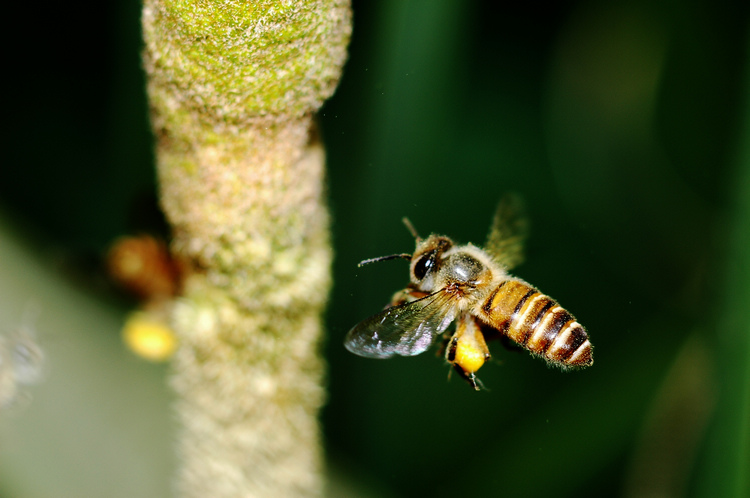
(233, 87)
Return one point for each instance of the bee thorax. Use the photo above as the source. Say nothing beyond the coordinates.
(462, 268)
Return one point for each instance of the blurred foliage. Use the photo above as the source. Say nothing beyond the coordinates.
(625, 128)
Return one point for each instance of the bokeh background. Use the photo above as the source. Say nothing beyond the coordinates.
(626, 129)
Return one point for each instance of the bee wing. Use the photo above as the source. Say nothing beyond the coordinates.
(406, 329)
(508, 232)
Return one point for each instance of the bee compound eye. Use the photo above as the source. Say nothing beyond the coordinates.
(424, 264)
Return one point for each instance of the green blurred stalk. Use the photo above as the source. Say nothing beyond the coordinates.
(727, 466)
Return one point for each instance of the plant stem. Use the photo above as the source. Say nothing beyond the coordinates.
(233, 88)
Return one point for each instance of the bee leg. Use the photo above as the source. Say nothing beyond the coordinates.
(448, 349)
(471, 378)
(477, 384)
(467, 351)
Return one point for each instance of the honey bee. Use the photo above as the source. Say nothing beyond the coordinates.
(471, 287)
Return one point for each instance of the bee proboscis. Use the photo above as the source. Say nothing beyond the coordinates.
(471, 287)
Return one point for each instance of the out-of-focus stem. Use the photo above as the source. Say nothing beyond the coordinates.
(233, 86)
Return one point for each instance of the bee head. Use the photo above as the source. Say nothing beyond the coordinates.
(425, 260)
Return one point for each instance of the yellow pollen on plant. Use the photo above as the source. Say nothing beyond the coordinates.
(148, 337)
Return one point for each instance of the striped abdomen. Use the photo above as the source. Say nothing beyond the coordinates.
(538, 323)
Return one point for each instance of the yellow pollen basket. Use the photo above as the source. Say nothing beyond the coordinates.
(470, 355)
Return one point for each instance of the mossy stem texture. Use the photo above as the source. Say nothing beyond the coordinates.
(233, 87)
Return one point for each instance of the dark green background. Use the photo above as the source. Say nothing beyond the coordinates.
(623, 127)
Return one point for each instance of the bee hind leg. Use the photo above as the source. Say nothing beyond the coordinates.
(471, 378)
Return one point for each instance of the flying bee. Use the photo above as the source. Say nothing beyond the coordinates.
(471, 287)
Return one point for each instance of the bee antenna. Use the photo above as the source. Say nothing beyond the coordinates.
(411, 228)
(384, 258)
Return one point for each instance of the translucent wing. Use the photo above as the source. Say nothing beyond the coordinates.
(508, 232)
(407, 329)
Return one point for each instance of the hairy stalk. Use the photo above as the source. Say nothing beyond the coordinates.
(233, 86)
